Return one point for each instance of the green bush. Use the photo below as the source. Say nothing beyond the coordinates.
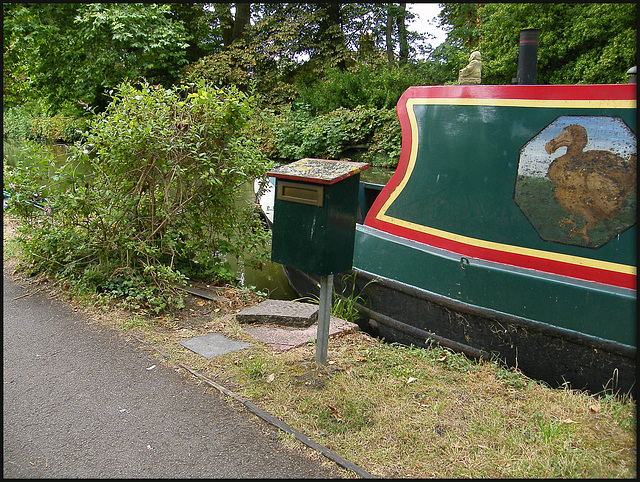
(298, 134)
(364, 85)
(160, 200)
(245, 65)
(29, 178)
(341, 115)
(16, 123)
(31, 122)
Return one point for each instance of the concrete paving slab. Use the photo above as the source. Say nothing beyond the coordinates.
(213, 344)
(280, 312)
(283, 339)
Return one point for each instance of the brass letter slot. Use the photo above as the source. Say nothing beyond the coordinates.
(296, 192)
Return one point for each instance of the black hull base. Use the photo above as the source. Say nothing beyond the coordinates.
(410, 316)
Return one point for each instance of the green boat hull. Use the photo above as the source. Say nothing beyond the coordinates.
(494, 240)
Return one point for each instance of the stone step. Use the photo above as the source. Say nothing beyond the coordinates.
(280, 312)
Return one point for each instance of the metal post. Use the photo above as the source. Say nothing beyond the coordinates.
(324, 318)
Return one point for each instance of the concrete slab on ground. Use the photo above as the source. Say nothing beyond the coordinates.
(280, 312)
(284, 339)
(213, 344)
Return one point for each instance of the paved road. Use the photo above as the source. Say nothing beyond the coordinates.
(79, 401)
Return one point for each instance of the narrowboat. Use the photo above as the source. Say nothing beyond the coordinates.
(507, 231)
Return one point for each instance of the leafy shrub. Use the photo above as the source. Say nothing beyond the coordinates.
(29, 177)
(16, 123)
(160, 200)
(298, 134)
(386, 141)
(31, 122)
(364, 85)
(341, 112)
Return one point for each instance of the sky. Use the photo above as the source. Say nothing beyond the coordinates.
(425, 22)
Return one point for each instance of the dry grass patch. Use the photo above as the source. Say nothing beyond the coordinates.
(406, 412)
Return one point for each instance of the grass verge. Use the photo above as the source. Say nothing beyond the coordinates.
(395, 411)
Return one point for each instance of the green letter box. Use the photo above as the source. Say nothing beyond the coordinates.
(315, 215)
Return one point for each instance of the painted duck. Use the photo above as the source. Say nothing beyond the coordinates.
(594, 184)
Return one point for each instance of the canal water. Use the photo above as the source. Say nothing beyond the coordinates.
(270, 278)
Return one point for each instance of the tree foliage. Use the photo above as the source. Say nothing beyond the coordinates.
(331, 31)
(65, 52)
(203, 29)
(578, 42)
(71, 52)
(462, 23)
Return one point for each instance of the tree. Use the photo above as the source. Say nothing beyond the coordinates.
(233, 27)
(402, 34)
(285, 41)
(330, 32)
(578, 42)
(70, 53)
(333, 31)
(204, 34)
(389, 35)
(462, 23)
(14, 77)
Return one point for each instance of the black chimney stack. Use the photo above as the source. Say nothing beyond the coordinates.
(528, 57)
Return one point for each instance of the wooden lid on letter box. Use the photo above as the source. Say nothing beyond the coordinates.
(319, 171)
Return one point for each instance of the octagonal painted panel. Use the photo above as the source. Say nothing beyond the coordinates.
(576, 180)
